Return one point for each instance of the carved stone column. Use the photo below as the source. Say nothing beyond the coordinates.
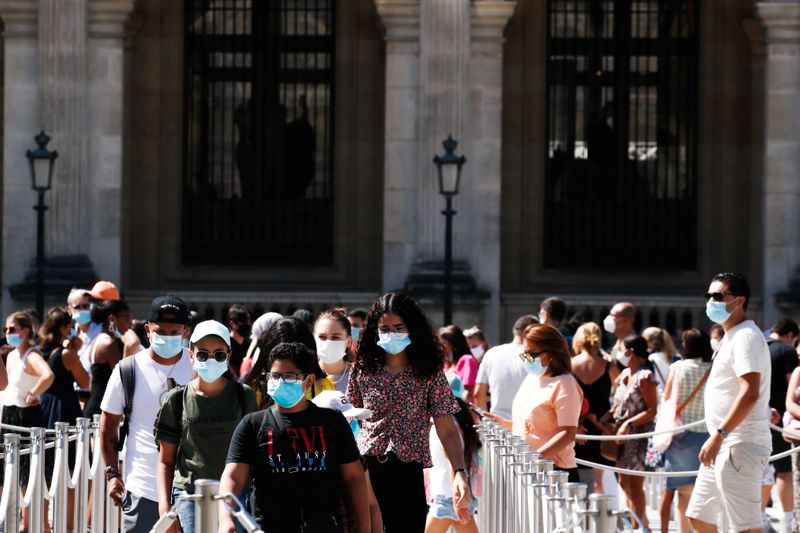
(781, 21)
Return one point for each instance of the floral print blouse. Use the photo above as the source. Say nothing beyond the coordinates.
(402, 406)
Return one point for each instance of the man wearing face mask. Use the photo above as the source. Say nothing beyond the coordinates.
(736, 406)
(240, 325)
(619, 323)
(155, 370)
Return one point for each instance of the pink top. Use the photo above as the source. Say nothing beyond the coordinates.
(541, 406)
(467, 369)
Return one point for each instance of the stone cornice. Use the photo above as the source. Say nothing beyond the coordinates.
(20, 17)
(400, 19)
(108, 18)
(781, 19)
(489, 18)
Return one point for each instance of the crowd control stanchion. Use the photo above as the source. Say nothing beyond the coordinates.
(487, 505)
(34, 492)
(554, 502)
(206, 516)
(10, 502)
(509, 460)
(235, 507)
(575, 498)
(60, 480)
(523, 476)
(601, 514)
(97, 476)
(80, 477)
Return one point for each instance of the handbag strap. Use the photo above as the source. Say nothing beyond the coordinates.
(692, 394)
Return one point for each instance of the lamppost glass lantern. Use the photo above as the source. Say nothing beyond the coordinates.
(448, 168)
(41, 162)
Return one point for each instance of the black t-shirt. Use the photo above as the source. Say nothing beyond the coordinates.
(238, 351)
(784, 361)
(296, 471)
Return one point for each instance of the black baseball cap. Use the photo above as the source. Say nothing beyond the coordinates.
(169, 309)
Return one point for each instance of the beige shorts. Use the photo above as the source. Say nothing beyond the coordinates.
(733, 485)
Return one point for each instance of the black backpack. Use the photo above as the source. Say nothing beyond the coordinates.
(127, 375)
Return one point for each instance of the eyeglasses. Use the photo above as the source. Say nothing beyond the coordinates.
(288, 377)
(203, 355)
(83, 307)
(530, 356)
(397, 329)
(717, 296)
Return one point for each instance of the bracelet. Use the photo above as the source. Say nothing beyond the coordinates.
(463, 470)
(112, 472)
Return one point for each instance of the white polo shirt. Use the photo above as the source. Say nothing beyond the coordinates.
(743, 350)
(503, 370)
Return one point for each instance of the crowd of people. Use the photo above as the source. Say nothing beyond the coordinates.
(364, 419)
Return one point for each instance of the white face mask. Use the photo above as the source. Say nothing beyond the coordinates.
(623, 358)
(330, 352)
(715, 344)
(477, 351)
(609, 324)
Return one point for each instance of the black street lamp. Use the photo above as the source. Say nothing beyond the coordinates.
(448, 168)
(41, 162)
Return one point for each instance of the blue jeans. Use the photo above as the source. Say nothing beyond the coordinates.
(186, 516)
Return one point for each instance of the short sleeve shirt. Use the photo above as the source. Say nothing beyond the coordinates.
(401, 406)
(784, 361)
(296, 471)
(204, 430)
(743, 351)
(542, 405)
(467, 369)
(504, 372)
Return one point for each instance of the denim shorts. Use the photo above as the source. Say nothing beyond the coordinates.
(443, 508)
(682, 456)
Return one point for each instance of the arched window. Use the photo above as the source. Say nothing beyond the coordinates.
(621, 171)
(258, 131)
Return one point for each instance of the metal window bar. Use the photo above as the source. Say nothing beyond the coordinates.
(621, 119)
(258, 132)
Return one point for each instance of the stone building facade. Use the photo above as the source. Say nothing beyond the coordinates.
(109, 80)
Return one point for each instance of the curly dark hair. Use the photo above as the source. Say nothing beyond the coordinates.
(424, 353)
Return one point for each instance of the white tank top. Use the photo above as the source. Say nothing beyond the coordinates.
(19, 383)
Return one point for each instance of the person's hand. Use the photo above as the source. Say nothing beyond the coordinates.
(774, 416)
(226, 525)
(31, 399)
(623, 429)
(498, 419)
(710, 450)
(116, 490)
(462, 496)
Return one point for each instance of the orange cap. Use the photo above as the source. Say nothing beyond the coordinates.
(104, 290)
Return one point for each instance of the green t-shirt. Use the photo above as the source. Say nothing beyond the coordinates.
(204, 432)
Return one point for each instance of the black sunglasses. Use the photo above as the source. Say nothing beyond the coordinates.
(717, 296)
(203, 355)
(530, 356)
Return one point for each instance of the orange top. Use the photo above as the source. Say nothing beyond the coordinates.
(541, 406)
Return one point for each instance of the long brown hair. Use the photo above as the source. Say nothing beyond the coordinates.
(550, 340)
(50, 333)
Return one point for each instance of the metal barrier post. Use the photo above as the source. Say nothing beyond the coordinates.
(575, 496)
(487, 504)
(34, 492)
(538, 491)
(80, 479)
(206, 517)
(98, 478)
(10, 503)
(509, 458)
(554, 498)
(60, 480)
(523, 475)
(601, 514)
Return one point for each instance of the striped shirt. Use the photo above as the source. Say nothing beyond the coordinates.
(689, 372)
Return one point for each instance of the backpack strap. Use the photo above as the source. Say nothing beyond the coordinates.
(241, 397)
(127, 375)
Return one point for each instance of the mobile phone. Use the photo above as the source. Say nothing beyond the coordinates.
(478, 411)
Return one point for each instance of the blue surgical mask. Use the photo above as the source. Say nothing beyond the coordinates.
(535, 367)
(355, 428)
(393, 343)
(287, 395)
(73, 332)
(717, 312)
(355, 333)
(82, 317)
(13, 339)
(167, 345)
(211, 370)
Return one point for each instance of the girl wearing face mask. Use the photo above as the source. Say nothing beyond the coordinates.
(215, 403)
(114, 318)
(634, 410)
(547, 407)
(459, 360)
(29, 376)
(334, 342)
(476, 340)
(298, 455)
(398, 376)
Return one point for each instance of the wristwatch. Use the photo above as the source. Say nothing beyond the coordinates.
(722, 433)
(463, 470)
(112, 472)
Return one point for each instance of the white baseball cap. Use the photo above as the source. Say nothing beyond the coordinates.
(210, 327)
(333, 399)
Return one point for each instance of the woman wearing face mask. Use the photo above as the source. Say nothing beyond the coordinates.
(332, 335)
(662, 353)
(215, 403)
(28, 377)
(398, 376)
(115, 319)
(459, 360)
(299, 456)
(548, 405)
(634, 410)
(476, 340)
(260, 326)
